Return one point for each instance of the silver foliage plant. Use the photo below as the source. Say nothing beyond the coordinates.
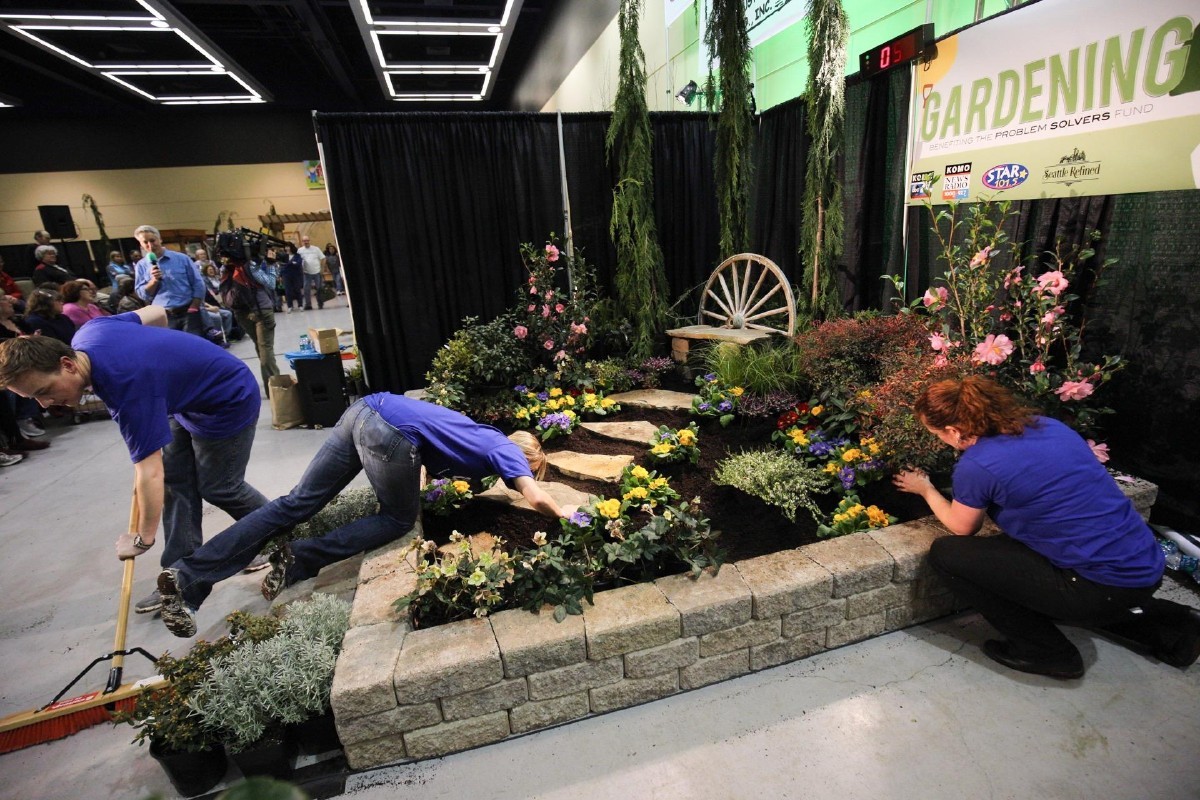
(777, 479)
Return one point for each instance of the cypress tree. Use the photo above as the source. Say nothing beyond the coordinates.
(727, 39)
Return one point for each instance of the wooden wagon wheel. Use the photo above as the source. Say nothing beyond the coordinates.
(748, 291)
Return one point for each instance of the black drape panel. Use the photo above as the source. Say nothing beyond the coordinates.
(780, 161)
(430, 210)
(685, 200)
(875, 188)
(590, 181)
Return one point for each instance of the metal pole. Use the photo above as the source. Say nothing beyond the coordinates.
(566, 200)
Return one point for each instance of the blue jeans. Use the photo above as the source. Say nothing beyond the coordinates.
(361, 440)
(195, 470)
(316, 283)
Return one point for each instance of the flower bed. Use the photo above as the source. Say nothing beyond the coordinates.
(401, 694)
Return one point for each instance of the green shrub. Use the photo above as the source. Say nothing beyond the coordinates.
(777, 479)
(761, 367)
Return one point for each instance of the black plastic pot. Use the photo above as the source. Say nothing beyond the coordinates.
(271, 755)
(316, 735)
(192, 773)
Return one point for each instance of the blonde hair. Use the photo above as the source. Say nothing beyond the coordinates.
(531, 448)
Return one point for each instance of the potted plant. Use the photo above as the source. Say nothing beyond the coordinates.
(310, 640)
(191, 755)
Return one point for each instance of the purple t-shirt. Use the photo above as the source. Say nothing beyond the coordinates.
(145, 374)
(449, 442)
(1046, 489)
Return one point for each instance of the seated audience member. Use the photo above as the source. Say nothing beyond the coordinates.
(8, 285)
(26, 416)
(117, 267)
(389, 437)
(46, 315)
(125, 297)
(79, 301)
(48, 270)
(135, 255)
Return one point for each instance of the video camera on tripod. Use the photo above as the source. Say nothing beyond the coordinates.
(245, 245)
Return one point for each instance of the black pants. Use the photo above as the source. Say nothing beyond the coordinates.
(180, 319)
(1022, 595)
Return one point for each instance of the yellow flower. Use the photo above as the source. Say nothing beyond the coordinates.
(799, 438)
(816, 410)
(831, 467)
(687, 437)
(662, 448)
(657, 483)
(640, 473)
(855, 510)
(607, 402)
(531, 395)
(864, 394)
(877, 517)
(839, 517)
(852, 455)
(589, 400)
(638, 493)
(609, 508)
(462, 487)
(875, 449)
(567, 400)
(553, 404)
(522, 413)
(556, 392)
(737, 391)
(571, 414)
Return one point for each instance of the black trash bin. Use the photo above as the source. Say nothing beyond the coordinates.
(322, 385)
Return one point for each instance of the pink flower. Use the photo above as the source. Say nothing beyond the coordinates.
(578, 329)
(533, 290)
(532, 279)
(981, 257)
(548, 344)
(939, 343)
(545, 311)
(935, 296)
(560, 355)
(549, 294)
(993, 350)
(1100, 451)
(1074, 390)
(1052, 282)
(520, 331)
(559, 308)
(1051, 316)
(1037, 367)
(551, 253)
(941, 360)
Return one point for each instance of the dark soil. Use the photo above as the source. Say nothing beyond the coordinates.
(748, 526)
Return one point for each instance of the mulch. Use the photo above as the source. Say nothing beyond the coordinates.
(748, 526)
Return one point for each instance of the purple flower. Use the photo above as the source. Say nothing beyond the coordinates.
(724, 405)
(704, 407)
(543, 396)
(520, 388)
(846, 476)
(820, 448)
(580, 519)
(710, 377)
(433, 495)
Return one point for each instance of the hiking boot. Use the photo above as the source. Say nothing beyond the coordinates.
(179, 619)
(261, 561)
(28, 445)
(148, 604)
(281, 560)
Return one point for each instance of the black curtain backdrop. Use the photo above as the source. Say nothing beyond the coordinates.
(780, 160)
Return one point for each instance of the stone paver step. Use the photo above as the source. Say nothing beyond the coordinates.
(637, 431)
(655, 398)
(587, 466)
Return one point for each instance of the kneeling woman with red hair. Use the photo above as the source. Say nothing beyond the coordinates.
(1074, 549)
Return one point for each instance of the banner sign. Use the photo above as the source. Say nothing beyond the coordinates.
(765, 18)
(674, 8)
(1061, 98)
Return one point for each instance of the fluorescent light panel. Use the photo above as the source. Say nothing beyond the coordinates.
(39, 27)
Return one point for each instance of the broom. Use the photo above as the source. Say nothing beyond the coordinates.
(60, 718)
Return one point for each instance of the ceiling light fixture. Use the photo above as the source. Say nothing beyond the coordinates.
(89, 35)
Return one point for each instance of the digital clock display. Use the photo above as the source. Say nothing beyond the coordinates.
(893, 53)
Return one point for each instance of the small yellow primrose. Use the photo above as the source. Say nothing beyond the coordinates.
(556, 392)
(640, 473)
(462, 487)
(662, 448)
(609, 508)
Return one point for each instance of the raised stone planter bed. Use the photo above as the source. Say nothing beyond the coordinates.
(402, 695)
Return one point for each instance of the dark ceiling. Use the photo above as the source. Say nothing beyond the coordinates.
(302, 54)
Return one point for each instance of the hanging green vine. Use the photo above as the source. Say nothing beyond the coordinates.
(822, 229)
(641, 279)
(727, 40)
(89, 204)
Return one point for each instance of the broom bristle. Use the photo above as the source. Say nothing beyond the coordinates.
(60, 727)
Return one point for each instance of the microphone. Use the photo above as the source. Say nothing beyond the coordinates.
(153, 259)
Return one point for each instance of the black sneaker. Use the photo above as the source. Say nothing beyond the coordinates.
(1067, 666)
(148, 604)
(281, 560)
(179, 619)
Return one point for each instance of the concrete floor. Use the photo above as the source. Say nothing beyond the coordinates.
(917, 713)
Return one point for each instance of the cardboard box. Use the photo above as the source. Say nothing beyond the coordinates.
(324, 340)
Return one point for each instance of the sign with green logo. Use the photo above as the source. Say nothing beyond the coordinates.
(1060, 99)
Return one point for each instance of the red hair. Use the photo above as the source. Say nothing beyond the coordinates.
(975, 406)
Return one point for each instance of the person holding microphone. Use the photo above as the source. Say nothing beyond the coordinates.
(170, 280)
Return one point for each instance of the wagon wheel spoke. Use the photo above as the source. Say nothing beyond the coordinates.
(721, 303)
(770, 313)
(758, 327)
(730, 304)
(763, 299)
(745, 298)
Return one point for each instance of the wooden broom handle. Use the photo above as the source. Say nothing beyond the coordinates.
(126, 590)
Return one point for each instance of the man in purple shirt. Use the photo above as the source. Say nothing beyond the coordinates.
(186, 408)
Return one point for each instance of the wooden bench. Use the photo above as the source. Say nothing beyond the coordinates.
(744, 294)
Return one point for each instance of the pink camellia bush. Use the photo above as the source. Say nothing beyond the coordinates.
(1015, 321)
(520, 331)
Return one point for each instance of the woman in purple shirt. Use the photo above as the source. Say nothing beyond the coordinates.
(1074, 549)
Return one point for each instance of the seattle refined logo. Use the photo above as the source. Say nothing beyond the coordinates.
(1072, 168)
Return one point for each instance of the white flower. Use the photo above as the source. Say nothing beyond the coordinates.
(539, 538)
